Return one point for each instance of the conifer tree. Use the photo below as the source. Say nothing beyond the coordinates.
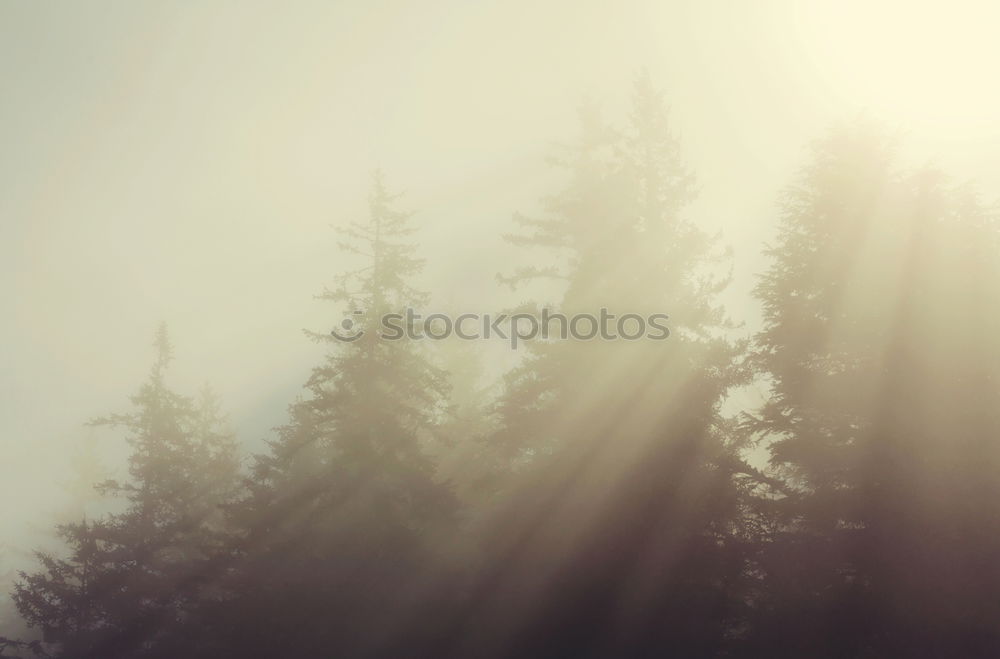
(128, 579)
(881, 309)
(343, 507)
(623, 536)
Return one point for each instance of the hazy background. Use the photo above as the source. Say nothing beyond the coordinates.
(185, 162)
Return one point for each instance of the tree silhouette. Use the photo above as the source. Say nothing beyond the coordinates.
(880, 342)
(129, 577)
(623, 534)
(343, 508)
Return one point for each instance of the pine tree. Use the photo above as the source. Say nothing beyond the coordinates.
(129, 579)
(344, 505)
(881, 346)
(623, 533)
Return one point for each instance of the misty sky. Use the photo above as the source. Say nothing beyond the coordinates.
(184, 162)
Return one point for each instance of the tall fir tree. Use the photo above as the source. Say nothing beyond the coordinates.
(880, 342)
(344, 507)
(129, 579)
(623, 533)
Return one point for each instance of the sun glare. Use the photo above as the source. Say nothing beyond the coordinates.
(927, 66)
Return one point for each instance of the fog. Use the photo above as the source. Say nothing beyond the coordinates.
(188, 163)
